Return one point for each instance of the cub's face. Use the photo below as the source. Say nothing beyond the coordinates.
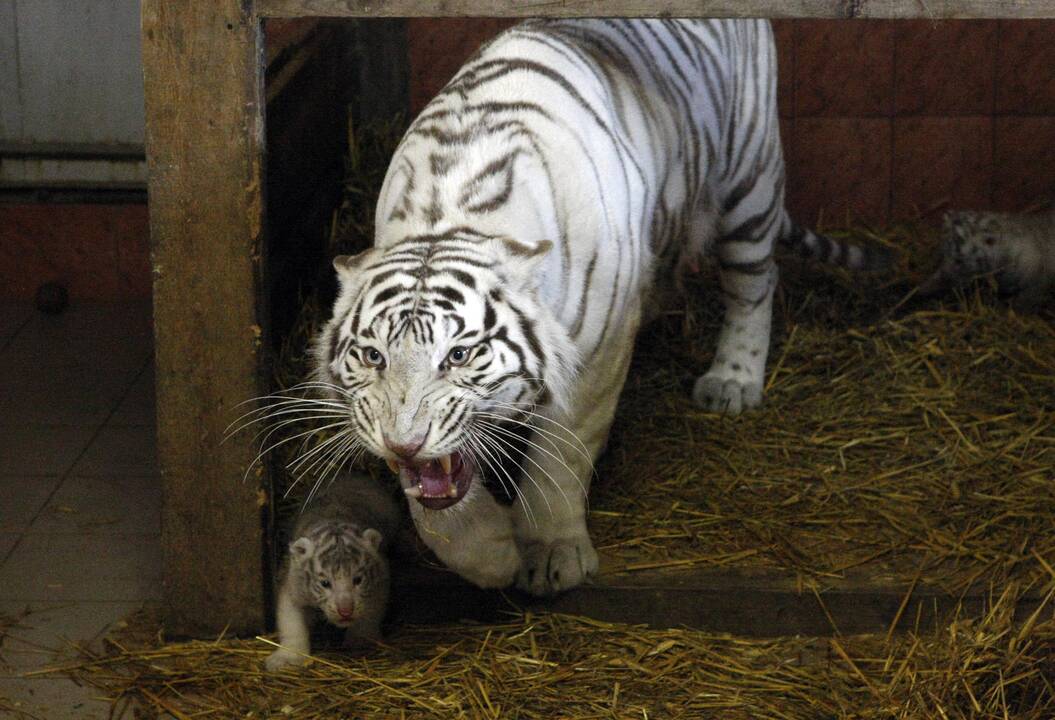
(341, 569)
(971, 244)
(434, 346)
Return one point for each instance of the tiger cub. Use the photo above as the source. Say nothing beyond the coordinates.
(336, 566)
(1017, 248)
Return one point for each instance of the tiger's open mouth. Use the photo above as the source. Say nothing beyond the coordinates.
(437, 483)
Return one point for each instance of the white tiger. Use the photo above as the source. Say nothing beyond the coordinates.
(519, 228)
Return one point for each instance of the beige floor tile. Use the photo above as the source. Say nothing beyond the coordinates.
(23, 497)
(103, 505)
(104, 335)
(7, 541)
(48, 635)
(40, 449)
(51, 699)
(12, 317)
(138, 407)
(56, 568)
(78, 394)
(120, 450)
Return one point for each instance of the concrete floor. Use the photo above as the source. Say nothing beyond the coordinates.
(80, 495)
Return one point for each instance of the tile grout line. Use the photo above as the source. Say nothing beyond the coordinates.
(65, 475)
(22, 326)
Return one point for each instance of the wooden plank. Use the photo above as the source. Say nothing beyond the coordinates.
(929, 9)
(754, 603)
(205, 141)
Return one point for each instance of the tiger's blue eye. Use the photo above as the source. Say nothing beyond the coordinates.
(458, 356)
(326, 584)
(373, 357)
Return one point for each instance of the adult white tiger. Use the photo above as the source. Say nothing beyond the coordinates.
(519, 227)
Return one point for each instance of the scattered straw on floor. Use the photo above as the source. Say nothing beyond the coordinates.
(559, 666)
(922, 438)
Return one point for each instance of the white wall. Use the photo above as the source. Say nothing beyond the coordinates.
(70, 74)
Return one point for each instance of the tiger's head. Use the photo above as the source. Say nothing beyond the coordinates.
(435, 341)
(972, 244)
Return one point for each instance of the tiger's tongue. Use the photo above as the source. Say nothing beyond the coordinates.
(433, 480)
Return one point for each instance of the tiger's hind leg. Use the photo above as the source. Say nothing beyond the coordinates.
(748, 277)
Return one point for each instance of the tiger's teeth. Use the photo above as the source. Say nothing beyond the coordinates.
(413, 492)
(392, 465)
(452, 491)
(445, 463)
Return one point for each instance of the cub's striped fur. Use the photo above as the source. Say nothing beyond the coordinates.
(336, 566)
(481, 344)
(1019, 248)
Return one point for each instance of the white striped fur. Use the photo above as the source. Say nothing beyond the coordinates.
(336, 566)
(1018, 248)
(523, 220)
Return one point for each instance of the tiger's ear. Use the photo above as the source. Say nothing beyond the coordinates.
(346, 265)
(301, 550)
(522, 259)
(372, 538)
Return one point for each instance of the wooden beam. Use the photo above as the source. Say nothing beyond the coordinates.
(927, 9)
(751, 602)
(204, 138)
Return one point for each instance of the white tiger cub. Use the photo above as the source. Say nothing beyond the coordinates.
(337, 566)
(480, 346)
(1019, 248)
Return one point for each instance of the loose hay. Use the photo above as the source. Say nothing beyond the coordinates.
(558, 666)
(920, 440)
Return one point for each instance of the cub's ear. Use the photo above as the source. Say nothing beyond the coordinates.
(301, 550)
(372, 538)
(347, 265)
(522, 260)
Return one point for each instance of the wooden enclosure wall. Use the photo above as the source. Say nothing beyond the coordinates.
(882, 120)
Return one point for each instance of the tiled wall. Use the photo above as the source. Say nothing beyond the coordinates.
(100, 252)
(882, 120)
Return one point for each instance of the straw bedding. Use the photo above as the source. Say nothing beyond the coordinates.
(903, 439)
(558, 666)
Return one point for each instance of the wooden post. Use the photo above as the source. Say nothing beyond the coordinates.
(205, 136)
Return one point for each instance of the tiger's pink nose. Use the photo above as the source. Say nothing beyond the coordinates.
(406, 450)
(345, 611)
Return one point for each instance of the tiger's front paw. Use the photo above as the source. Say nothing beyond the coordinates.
(549, 568)
(726, 395)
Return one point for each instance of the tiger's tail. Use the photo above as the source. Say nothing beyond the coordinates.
(831, 251)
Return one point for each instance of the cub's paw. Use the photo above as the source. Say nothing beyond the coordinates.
(551, 568)
(726, 395)
(284, 658)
